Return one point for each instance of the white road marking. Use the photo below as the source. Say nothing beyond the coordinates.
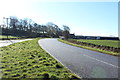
(102, 61)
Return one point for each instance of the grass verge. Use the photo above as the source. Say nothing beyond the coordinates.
(111, 43)
(89, 48)
(28, 60)
(3, 36)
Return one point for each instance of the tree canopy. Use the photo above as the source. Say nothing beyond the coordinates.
(28, 28)
(66, 31)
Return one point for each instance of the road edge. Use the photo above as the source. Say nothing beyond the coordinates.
(59, 61)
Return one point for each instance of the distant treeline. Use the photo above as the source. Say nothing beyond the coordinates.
(28, 28)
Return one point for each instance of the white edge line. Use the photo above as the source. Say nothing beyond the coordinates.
(102, 61)
(57, 59)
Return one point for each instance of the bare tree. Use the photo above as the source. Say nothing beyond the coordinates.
(66, 31)
(28, 28)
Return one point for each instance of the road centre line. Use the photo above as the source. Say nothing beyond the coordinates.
(102, 61)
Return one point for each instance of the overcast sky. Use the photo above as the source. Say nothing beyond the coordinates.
(93, 18)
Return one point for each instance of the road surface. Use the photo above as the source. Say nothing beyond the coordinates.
(84, 63)
(9, 42)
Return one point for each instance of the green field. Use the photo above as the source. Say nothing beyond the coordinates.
(111, 43)
(90, 48)
(28, 60)
(4, 36)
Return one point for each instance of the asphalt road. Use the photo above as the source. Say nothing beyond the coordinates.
(84, 63)
(9, 42)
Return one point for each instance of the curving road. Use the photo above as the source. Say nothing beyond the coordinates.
(84, 63)
(9, 42)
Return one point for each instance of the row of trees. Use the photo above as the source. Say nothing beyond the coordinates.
(28, 28)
